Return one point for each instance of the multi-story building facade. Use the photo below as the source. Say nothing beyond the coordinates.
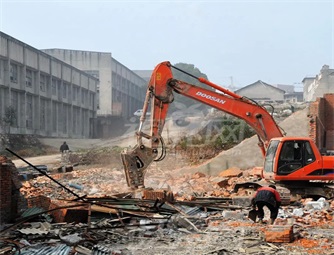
(319, 85)
(121, 91)
(50, 97)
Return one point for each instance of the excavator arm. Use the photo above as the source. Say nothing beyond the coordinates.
(160, 95)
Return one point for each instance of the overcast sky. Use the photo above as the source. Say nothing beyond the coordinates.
(278, 42)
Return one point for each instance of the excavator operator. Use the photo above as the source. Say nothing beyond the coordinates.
(269, 197)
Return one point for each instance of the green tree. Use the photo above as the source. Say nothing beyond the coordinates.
(181, 99)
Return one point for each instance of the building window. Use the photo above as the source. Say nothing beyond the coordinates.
(15, 106)
(94, 73)
(82, 96)
(42, 82)
(74, 93)
(42, 114)
(64, 116)
(59, 84)
(13, 73)
(54, 87)
(92, 98)
(64, 89)
(28, 78)
(123, 83)
(29, 112)
(54, 117)
(69, 91)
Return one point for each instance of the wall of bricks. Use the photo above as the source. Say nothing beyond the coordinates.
(57, 215)
(315, 128)
(329, 120)
(39, 201)
(5, 191)
(329, 110)
(75, 214)
(12, 202)
(321, 114)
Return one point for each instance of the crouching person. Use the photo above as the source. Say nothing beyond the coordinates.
(269, 197)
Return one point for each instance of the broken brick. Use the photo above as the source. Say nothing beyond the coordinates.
(256, 171)
(198, 175)
(39, 201)
(231, 172)
(163, 195)
(279, 234)
(221, 182)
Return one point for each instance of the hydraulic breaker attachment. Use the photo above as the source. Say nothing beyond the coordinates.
(135, 162)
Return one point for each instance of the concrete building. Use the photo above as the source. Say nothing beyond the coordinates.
(262, 92)
(290, 95)
(50, 97)
(121, 91)
(294, 97)
(145, 74)
(287, 88)
(319, 85)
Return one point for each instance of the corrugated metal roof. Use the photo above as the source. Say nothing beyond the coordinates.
(32, 211)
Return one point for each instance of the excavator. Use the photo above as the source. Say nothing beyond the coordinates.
(293, 162)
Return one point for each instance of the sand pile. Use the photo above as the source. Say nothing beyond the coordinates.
(247, 154)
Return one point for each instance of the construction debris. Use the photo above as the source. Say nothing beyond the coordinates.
(195, 214)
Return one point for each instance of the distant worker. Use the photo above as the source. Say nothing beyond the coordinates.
(269, 197)
(64, 149)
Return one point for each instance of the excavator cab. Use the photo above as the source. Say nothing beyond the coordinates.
(292, 158)
(296, 164)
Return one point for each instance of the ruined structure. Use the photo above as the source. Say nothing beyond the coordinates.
(321, 84)
(322, 122)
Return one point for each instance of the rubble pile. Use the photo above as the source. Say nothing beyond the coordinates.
(93, 181)
(99, 182)
(204, 215)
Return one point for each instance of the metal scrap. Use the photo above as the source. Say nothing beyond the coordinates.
(40, 249)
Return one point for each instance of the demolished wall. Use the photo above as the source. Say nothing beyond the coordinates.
(11, 200)
(6, 190)
(322, 121)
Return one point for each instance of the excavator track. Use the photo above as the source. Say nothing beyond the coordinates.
(299, 189)
(293, 191)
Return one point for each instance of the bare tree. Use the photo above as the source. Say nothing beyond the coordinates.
(9, 118)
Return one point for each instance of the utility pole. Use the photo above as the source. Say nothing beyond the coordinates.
(232, 83)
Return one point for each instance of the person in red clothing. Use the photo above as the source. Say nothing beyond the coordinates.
(269, 197)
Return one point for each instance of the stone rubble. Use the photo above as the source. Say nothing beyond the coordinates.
(205, 231)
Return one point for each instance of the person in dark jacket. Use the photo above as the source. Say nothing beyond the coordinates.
(64, 147)
(64, 150)
(269, 197)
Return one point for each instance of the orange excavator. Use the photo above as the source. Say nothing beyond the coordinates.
(292, 161)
